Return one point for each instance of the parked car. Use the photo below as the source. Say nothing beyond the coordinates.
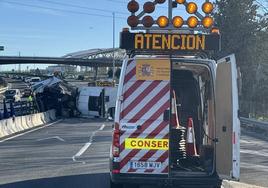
(27, 79)
(34, 80)
(13, 95)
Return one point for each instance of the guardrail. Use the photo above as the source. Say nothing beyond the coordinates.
(18, 109)
(254, 124)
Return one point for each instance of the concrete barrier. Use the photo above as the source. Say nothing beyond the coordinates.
(24, 123)
(2, 90)
(2, 128)
(254, 125)
(29, 121)
(15, 125)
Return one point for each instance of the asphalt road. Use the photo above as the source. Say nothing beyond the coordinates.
(254, 159)
(74, 153)
(56, 153)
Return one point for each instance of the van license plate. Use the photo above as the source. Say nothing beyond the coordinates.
(144, 165)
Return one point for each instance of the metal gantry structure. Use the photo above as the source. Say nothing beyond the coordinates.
(90, 58)
(106, 55)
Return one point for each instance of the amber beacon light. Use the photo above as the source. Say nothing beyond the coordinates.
(139, 19)
(177, 21)
(192, 22)
(147, 21)
(160, 1)
(207, 22)
(180, 1)
(162, 21)
(148, 7)
(133, 6)
(133, 21)
(207, 7)
(191, 8)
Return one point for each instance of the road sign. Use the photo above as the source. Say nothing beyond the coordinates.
(2, 48)
(169, 42)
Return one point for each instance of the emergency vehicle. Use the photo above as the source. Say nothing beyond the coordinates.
(176, 118)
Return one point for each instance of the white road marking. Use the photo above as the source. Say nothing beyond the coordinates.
(9, 138)
(54, 137)
(87, 145)
(102, 127)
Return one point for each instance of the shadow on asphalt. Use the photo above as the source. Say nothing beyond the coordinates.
(77, 181)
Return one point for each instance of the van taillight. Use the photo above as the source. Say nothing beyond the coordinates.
(116, 143)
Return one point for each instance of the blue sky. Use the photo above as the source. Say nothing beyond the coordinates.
(48, 28)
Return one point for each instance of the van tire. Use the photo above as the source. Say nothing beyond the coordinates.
(115, 185)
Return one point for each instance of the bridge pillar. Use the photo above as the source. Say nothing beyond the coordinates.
(95, 73)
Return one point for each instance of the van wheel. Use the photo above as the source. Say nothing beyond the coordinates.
(115, 185)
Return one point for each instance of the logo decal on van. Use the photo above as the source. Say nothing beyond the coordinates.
(147, 69)
(150, 144)
(124, 127)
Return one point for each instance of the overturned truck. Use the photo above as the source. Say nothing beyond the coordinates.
(55, 93)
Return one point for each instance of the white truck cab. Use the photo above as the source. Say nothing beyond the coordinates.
(89, 100)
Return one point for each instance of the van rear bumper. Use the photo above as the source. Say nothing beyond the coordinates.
(164, 180)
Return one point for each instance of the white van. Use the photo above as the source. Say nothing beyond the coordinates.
(89, 101)
(200, 147)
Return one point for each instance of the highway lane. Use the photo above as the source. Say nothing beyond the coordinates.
(53, 152)
(61, 156)
(254, 159)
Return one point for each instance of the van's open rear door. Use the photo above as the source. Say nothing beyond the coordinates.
(227, 122)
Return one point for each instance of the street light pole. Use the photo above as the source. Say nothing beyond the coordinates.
(113, 45)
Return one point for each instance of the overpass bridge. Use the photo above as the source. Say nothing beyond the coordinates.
(90, 58)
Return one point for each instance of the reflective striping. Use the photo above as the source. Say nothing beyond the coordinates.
(143, 104)
(138, 99)
(162, 158)
(151, 155)
(146, 99)
(134, 152)
(138, 132)
(152, 130)
(147, 144)
(164, 93)
(130, 75)
(133, 90)
(148, 122)
(131, 65)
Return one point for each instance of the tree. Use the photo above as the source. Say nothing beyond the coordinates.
(242, 31)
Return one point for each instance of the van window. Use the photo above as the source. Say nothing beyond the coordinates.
(93, 103)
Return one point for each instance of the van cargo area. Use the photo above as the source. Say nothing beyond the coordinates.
(192, 126)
